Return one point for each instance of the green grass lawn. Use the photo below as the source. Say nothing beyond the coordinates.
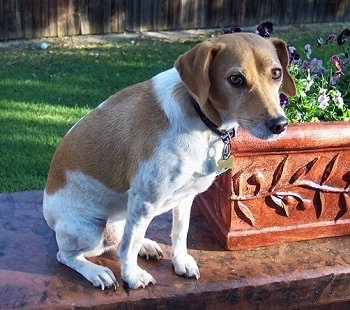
(44, 92)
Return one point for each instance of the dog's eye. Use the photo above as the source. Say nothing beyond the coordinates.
(276, 74)
(236, 80)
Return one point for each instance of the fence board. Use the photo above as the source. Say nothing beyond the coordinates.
(62, 17)
(341, 9)
(73, 18)
(19, 25)
(107, 16)
(36, 18)
(131, 13)
(10, 20)
(117, 16)
(52, 18)
(27, 18)
(84, 17)
(174, 14)
(3, 29)
(328, 9)
(45, 18)
(70, 18)
(96, 16)
(146, 11)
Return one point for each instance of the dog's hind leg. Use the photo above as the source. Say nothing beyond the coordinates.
(78, 240)
(150, 249)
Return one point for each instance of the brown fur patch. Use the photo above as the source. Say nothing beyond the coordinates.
(109, 143)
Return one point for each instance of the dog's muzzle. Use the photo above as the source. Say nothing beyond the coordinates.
(277, 125)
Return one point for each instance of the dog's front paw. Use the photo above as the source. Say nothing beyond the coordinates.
(137, 277)
(185, 265)
(101, 276)
(150, 249)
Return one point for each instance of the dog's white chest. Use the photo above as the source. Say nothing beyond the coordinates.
(200, 166)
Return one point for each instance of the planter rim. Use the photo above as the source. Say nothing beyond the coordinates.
(300, 136)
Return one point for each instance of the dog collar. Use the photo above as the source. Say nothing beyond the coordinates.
(225, 135)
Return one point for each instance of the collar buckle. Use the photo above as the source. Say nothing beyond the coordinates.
(226, 139)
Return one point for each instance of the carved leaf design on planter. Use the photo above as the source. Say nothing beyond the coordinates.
(279, 202)
(236, 182)
(344, 204)
(304, 170)
(346, 178)
(236, 179)
(244, 213)
(329, 170)
(257, 179)
(288, 200)
(285, 196)
(288, 197)
(278, 173)
(318, 203)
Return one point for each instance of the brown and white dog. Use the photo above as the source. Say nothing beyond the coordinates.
(146, 150)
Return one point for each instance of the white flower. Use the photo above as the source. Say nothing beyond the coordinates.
(308, 50)
(323, 100)
(338, 99)
(299, 116)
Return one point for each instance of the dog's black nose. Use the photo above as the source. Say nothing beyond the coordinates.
(277, 125)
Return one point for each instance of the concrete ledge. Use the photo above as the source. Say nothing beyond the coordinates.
(307, 274)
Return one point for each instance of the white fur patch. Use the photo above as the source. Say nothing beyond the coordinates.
(85, 197)
(164, 84)
(191, 134)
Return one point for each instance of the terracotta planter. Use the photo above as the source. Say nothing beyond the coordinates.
(294, 188)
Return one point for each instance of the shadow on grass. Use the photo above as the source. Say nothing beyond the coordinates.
(26, 151)
(44, 92)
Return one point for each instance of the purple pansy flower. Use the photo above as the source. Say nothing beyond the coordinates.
(305, 65)
(331, 38)
(343, 36)
(337, 62)
(316, 66)
(284, 100)
(334, 79)
(293, 54)
(265, 29)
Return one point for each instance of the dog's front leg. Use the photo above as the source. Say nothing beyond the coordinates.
(184, 264)
(138, 218)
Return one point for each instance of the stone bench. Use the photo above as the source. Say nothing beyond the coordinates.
(310, 274)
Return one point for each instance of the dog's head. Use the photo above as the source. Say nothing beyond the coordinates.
(236, 78)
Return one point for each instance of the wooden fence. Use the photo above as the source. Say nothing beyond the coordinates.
(50, 18)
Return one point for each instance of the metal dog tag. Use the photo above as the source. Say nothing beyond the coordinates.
(224, 165)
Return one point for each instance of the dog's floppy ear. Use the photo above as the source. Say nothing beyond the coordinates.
(193, 67)
(288, 85)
